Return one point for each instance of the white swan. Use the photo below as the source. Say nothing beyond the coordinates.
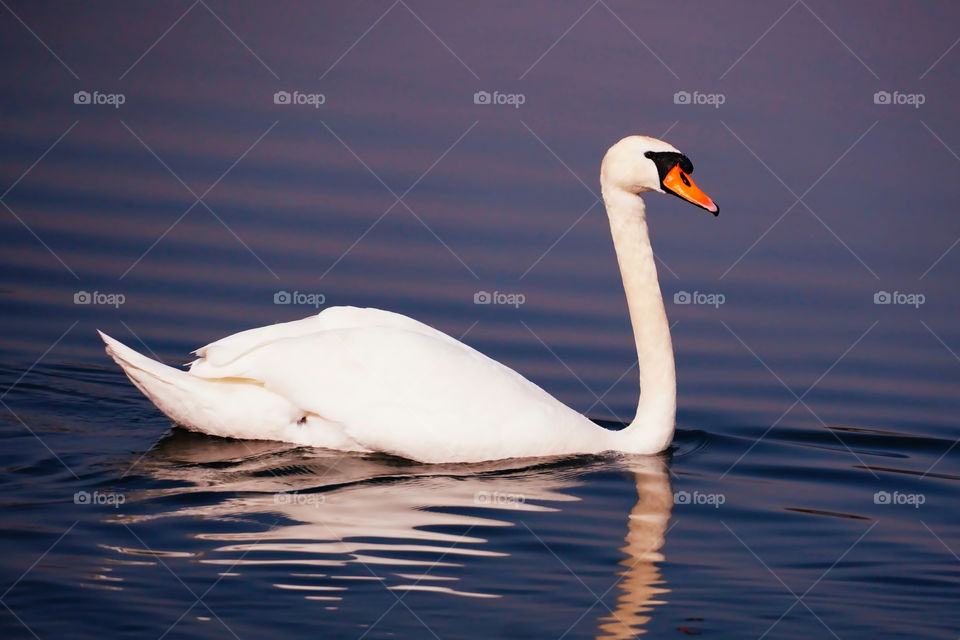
(370, 380)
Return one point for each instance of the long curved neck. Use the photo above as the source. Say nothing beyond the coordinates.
(652, 428)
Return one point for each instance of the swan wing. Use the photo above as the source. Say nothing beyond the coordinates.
(216, 355)
(400, 387)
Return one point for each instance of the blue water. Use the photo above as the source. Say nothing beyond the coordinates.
(811, 488)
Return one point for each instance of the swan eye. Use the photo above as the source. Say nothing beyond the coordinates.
(668, 160)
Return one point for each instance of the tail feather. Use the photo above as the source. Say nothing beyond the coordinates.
(227, 407)
(132, 361)
(220, 407)
(166, 387)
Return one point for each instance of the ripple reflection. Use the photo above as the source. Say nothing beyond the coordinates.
(342, 520)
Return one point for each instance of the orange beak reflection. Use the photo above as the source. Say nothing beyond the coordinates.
(679, 184)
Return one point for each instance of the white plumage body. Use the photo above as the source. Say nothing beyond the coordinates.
(363, 380)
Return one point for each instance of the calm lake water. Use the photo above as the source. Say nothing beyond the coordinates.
(150, 169)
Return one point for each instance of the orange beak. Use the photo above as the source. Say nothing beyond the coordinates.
(679, 184)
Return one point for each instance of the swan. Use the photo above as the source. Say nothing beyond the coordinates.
(368, 380)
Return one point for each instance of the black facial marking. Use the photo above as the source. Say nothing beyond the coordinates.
(667, 160)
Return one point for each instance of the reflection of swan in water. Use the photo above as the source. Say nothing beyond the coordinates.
(346, 517)
(641, 583)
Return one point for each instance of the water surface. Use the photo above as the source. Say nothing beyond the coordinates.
(811, 488)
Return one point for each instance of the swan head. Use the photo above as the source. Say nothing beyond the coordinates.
(637, 164)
